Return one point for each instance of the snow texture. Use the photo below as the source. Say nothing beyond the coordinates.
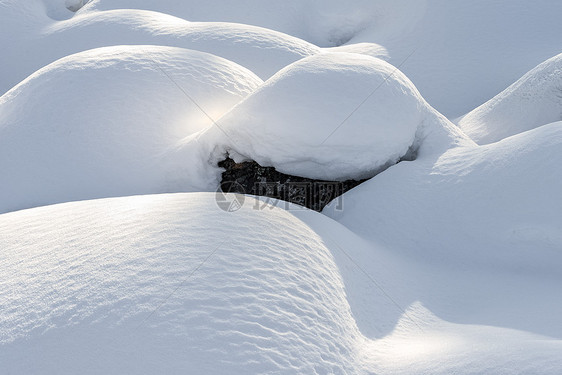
(171, 283)
(532, 101)
(168, 284)
(114, 121)
(448, 262)
(458, 53)
(261, 50)
(329, 116)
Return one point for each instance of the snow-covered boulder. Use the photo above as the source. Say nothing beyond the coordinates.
(110, 122)
(532, 101)
(330, 116)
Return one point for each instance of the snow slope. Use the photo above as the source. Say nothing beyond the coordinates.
(464, 52)
(262, 51)
(324, 23)
(171, 283)
(485, 223)
(511, 186)
(461, 53)
(110, 122)
(329, 116)
(534, 100)
(449, 263)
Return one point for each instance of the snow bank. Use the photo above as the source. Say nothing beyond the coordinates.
(464, 52)
(110, 122)
(325, 23)
(329, 116)
(532, 101)
(170, 284)
(494, 206)
(261, 50)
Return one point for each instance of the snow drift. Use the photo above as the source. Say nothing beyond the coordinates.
(511, 186)
(170, 283)
(532, 101)
(463, 52)
(325, 23)
(329, 116)
(110, 122)
(261, 50)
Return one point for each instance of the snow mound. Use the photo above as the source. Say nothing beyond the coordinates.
(511, 186)
(62, 9)
(465, 52)
(532, 101)
(460, 53)
(329, 116)
(261, 50)
(325, 23)
(110, 122)
(169, 284)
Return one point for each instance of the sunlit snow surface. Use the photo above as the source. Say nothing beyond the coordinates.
(446, 264)
(171, 283)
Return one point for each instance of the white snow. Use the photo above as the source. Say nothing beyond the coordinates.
(461, 53)
(464, 52)
(325, 23)
(447, 263)
(260, 50)
(532, 101)
(171, 283)
(114, 121)
(329, 116)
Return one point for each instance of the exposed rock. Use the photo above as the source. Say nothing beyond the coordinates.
(251, 178)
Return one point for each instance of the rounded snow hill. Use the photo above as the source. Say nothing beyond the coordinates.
(109, 122)
(261, 50)
(170, 284)
(532, 101)
(325, 23)
(461, 53)
(173, 284)
(495, 206)
(330, 116)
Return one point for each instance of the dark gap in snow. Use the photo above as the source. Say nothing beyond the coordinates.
(251, 178)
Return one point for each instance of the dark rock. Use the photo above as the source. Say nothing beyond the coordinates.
(251, 178)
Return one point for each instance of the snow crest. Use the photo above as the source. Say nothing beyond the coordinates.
(532, 101)
(169, 283)
(110, 122)
(329, 116)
